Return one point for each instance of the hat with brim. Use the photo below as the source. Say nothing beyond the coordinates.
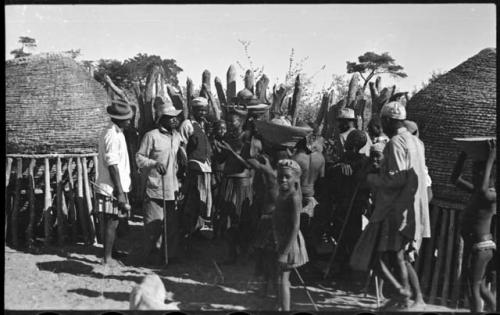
(120, 110)
(346, 113)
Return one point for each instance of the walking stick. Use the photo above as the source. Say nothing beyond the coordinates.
(305, 288)
(165, 247)
(330, 262)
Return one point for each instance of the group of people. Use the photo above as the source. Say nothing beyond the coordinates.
(278, 203)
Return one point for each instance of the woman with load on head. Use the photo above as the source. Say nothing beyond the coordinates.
(476, 225)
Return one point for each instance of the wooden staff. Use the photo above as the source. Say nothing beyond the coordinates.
(8, 169)
(440, 258)
(449, 253)
(59, 202)
(72, 216)
(31, 198)
(15, 206)
(165, 231)
(429, 250)
(47, 208)
(79, 201)
(88, 199)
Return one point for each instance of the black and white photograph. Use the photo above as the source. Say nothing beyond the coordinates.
(254, 157)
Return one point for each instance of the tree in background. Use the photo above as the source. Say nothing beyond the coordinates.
(136, 69)
(372, 64)
(27, 43)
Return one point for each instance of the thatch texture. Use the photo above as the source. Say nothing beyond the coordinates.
(461, 103)
(52, 106)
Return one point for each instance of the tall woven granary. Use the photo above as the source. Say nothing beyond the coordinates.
(55, 111)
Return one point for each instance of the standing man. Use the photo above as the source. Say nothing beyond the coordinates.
(346, 120)
(157, 157)
(198, 194)
(113, 177)
(312, 165)
(401, 202)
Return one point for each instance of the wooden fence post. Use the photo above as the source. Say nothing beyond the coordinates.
(47, 208)
(15, 206)
(80, 202)
(72, 216)
(88, 199)
(449, 253)
(59, 204)
(7, 208)
(437, 266)
(31, 197)
(429, 250)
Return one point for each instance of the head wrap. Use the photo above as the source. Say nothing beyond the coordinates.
(199, 102)
(290, 164)
(411, 126)
(378, 147)
(394, 110)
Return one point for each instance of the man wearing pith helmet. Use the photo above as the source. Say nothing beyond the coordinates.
(197, 190)
(401, 203)
(113, 176)
(157, 158)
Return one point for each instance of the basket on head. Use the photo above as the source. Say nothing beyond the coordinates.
(475, 147)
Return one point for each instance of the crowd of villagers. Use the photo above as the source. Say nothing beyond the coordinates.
(278, 203)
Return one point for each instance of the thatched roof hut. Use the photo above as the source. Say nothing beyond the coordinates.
(52, 106)
(461, 103)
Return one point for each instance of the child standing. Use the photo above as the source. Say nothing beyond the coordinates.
(286, 222)
(264, 244)
(476, 225)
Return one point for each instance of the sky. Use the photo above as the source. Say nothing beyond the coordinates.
(421, 37)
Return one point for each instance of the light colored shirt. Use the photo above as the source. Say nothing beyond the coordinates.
(186, 129)
(401, 186)
(112, 151)
(364, 150)
(159, 146)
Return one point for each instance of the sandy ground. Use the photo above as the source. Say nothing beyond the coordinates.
(72, 278)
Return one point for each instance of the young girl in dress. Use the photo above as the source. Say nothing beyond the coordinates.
(291, 248)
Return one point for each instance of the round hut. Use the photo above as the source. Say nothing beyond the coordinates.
(460, 103)
(55, 111)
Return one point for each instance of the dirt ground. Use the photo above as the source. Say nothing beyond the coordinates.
(72, 279)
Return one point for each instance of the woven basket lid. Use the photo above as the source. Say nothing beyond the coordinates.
(52, 106)
(459, 104)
